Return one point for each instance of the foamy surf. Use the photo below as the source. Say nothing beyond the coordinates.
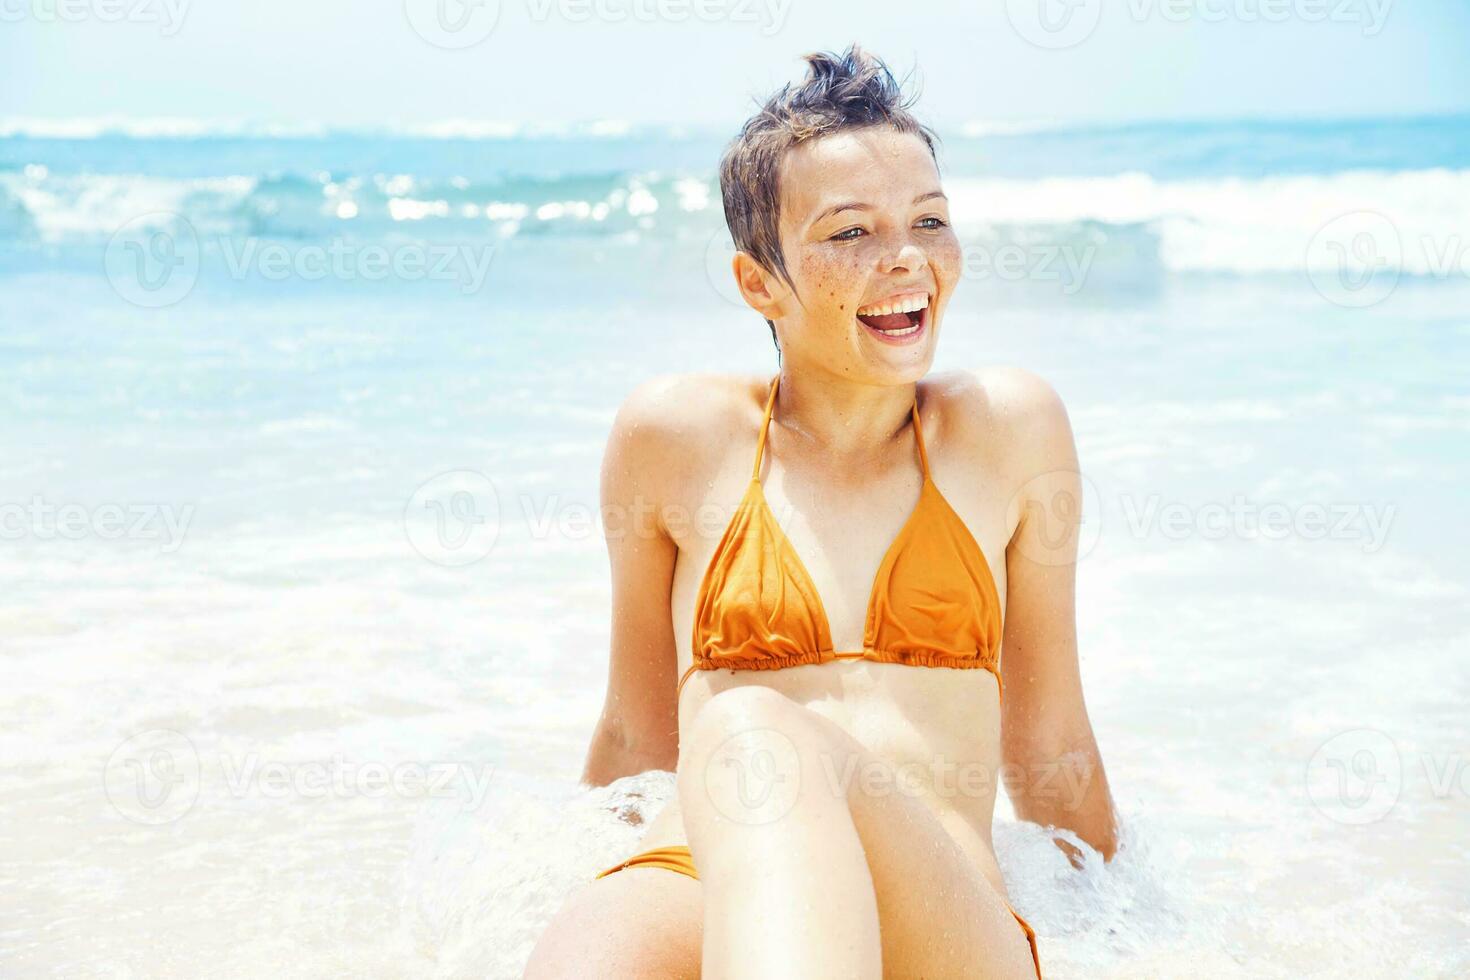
(1416, 219)
(533, 841)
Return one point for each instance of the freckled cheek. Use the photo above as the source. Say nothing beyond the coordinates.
(945, 259)
(833, 283)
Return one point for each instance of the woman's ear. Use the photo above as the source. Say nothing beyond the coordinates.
(764, 292)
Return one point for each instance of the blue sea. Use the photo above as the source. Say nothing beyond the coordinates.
(305, 610)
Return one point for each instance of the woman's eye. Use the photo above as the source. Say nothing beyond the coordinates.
(931, 222)
(847, 235)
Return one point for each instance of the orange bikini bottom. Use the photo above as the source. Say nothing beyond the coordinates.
(677, 858)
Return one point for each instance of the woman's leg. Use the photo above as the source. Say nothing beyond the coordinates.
(810, 873)
(639, 922)
(787, 887)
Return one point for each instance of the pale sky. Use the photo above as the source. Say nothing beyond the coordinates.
(356, 62)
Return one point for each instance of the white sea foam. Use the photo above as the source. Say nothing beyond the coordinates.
(1415, 222)
(1241, 225)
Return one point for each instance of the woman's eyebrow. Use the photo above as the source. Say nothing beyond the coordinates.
(860, 206)
(849, 206)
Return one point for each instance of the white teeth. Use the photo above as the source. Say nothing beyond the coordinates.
(902, 333)
(910, 303)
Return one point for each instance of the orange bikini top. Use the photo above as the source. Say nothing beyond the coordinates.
(933, 602)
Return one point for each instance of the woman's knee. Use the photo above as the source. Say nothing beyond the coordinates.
(737, 707)
(752, 755)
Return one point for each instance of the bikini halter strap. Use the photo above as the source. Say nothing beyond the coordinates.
(760, 445)
(919, 435)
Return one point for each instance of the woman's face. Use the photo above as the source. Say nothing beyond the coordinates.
(866, 235)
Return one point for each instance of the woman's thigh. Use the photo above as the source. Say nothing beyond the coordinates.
(939, 915)
(638, 922)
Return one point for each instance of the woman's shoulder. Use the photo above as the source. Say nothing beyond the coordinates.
(686, 399)
(1001, 391)
(673, 419)
(1005, 409)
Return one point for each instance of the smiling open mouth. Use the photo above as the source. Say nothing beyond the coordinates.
(896, 317)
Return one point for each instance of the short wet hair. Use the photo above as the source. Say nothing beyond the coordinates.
(847, 91)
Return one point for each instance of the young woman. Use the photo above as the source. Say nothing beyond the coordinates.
(821, 664)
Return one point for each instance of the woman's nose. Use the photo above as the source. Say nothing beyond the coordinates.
(908, 258)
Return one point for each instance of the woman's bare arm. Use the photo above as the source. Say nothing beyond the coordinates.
(1054, 770)
(638, 729)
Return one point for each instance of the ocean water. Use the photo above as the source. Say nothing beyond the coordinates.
(305, 607)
